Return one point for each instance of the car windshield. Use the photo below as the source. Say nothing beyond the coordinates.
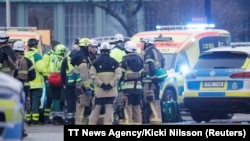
(221, 60)
(168, 60)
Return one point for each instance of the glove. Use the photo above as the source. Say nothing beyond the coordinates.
(106, 86)
(89, 92)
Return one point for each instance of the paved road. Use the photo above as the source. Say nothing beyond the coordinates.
(45, 133)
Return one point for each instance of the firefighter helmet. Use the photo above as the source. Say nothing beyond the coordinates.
(94, 43)
(105, 45)
(84, 42)
(148, 40)
(119, 37)
(18, 46)
(130, 46)
(32, 42)
(60, 49)
(3, 37)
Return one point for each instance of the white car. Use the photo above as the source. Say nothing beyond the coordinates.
(219, 84)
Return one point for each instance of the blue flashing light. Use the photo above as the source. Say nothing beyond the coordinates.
(158, 27)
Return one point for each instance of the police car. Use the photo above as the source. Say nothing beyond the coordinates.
(219, 84)
(11, 108)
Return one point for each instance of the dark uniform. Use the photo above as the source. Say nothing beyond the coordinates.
(132, 66)
(151, 84)
(105, 72)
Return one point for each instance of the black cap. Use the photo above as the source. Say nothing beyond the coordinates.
(54, 43)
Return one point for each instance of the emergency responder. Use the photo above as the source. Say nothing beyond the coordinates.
(46, 59)
(56, 88)
(36, 85)
(105, 72)
(93, 48)
(82, 63)
(132, 66)
(8, 60)
(66, 70)
(118, 52)
(151, 87)
(24, 72)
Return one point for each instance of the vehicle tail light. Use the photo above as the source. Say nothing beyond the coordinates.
(240, 75)
(190, 75)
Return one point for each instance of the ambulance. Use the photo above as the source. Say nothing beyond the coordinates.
(25, 33)
(181, 47)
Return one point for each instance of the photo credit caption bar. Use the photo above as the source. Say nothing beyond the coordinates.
(144, 131)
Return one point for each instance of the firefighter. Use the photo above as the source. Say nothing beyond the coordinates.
(132, 66)
(24, 72)
(105, 72)
(36, 85)
(67, 70)
(46, 59)
(8, 60)
(118, 53)
(81, 64)
(151, 86)
(56, 87)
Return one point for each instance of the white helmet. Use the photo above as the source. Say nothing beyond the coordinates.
(148, 40)
(3, 37)
(105, 45)
(93, 42)
(119, 37)
(18, 46)
(130, 46)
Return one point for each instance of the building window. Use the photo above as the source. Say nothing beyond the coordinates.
(79, 21)
(41, 17)
(13, 21)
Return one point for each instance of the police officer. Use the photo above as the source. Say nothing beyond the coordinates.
(151, 85)
(132, 66)
(36, 85)
(81, 64)
(105, 72)
(8, 60)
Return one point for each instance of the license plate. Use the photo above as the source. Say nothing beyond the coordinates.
(213, 84)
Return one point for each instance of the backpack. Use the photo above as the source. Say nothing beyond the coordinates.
(135, 63)
(54, 77)
(160, 72)
(22, 67)
(170, 111)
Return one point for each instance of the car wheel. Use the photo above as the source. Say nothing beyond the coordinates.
(200, 116)
(168, 95)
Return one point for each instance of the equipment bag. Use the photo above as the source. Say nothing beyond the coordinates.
(54, 79)
(171, 112)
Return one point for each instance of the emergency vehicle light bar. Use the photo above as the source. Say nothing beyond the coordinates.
(188, 26)
(235, 44)
(18, 28)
